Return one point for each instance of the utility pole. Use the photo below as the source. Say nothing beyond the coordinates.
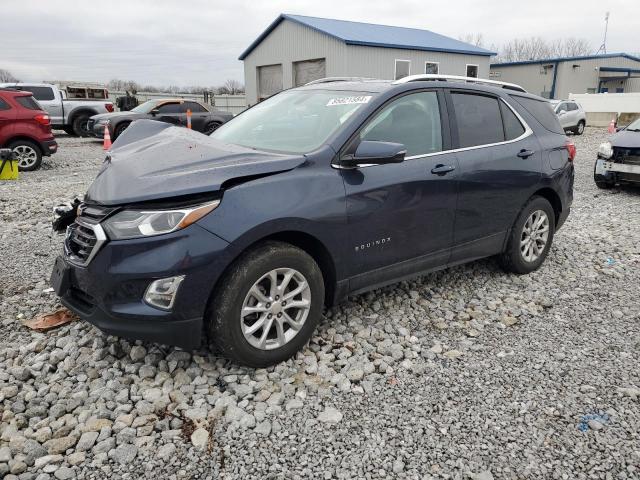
(603, 47)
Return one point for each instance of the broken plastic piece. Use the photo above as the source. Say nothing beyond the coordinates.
(64, 215)
(47, 321)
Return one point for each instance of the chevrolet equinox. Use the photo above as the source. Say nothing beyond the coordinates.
(330, 189)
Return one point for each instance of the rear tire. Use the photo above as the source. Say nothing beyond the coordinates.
(248, 320)
(29, 155)
(530, 238)
(211, 127)
(80, 125)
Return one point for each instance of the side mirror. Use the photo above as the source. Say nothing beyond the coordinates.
(154, 112)
(375, 153)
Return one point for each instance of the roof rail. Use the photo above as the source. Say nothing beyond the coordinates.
(338, 79)
(457, 78)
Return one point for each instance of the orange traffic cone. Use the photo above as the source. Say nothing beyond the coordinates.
(612, 126)
(106, 145)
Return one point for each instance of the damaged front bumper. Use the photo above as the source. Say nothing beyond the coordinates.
(108, 291)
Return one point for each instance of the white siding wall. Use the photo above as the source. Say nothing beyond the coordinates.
(378, 62)
(290, 42)
(530, 77)
(569, 79)
(579, 79)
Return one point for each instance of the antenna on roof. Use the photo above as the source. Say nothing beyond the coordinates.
(603, 47)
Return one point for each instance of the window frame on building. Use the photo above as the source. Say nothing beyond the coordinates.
(395, 68)
(437, 64)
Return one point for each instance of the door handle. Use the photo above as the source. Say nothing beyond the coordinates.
(524, 153)
(441, 169)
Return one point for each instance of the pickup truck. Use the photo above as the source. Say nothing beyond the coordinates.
(68, 114)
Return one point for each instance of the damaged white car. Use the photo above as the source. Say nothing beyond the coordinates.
(618, 159)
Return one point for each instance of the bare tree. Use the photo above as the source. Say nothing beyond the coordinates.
(231, 87)
(537, 48)
(7, 76)
(122, 85)
(476, 39)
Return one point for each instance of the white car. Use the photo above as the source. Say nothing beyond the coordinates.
(571, 115)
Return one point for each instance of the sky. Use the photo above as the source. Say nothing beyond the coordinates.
(197, 42)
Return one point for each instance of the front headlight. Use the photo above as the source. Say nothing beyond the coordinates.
(605, 150)
(146, 223)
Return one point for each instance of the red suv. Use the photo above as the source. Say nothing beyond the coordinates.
(25, 128)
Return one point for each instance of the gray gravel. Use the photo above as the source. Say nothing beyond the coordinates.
(468, 373)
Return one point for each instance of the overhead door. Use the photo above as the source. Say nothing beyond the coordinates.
(308, 70)
(269, 80)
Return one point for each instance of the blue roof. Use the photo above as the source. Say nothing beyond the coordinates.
(567, 59)
(371, 35)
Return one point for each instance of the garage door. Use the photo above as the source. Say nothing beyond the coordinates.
(308, 70)
(269, 80)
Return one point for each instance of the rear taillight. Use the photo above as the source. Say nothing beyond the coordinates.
(43, 119)
(109, 107)
(571, 148)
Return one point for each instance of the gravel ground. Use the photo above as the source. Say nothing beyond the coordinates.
(468, 373)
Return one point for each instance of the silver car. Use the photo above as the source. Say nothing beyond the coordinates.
(571, 115)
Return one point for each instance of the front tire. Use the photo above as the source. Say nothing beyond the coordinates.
(530, 238)
(119, 129)
(579, 130)
(267, 305)
(29, 155)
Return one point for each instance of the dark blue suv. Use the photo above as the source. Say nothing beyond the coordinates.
(330, 189)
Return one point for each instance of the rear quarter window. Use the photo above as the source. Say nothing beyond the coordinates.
(29, 103)
(541, 110)
(41, 93)
(4, 105)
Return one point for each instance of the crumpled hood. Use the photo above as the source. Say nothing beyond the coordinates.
(154, 160)
(625, 139)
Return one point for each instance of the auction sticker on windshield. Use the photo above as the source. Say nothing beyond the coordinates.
(349, 100)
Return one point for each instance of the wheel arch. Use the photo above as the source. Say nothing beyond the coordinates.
(26, 138)
(307, 242)
(553, 198)
(80, 110)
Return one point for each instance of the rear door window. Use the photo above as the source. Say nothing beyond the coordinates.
(40, 93)
(28, 102)
(478, 119)
(412, 120)
(542, 111)
(195, 107)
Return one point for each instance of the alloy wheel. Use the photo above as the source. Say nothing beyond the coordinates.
(27, 156)
(275, 308)
(535, 235)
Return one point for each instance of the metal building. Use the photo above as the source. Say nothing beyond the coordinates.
(558, 77)
(296, 49)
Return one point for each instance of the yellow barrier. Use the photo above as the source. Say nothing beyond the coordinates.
(8, 165)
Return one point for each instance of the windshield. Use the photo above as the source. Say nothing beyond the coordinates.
(297, 121)
(634, 126)
(146, 107)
